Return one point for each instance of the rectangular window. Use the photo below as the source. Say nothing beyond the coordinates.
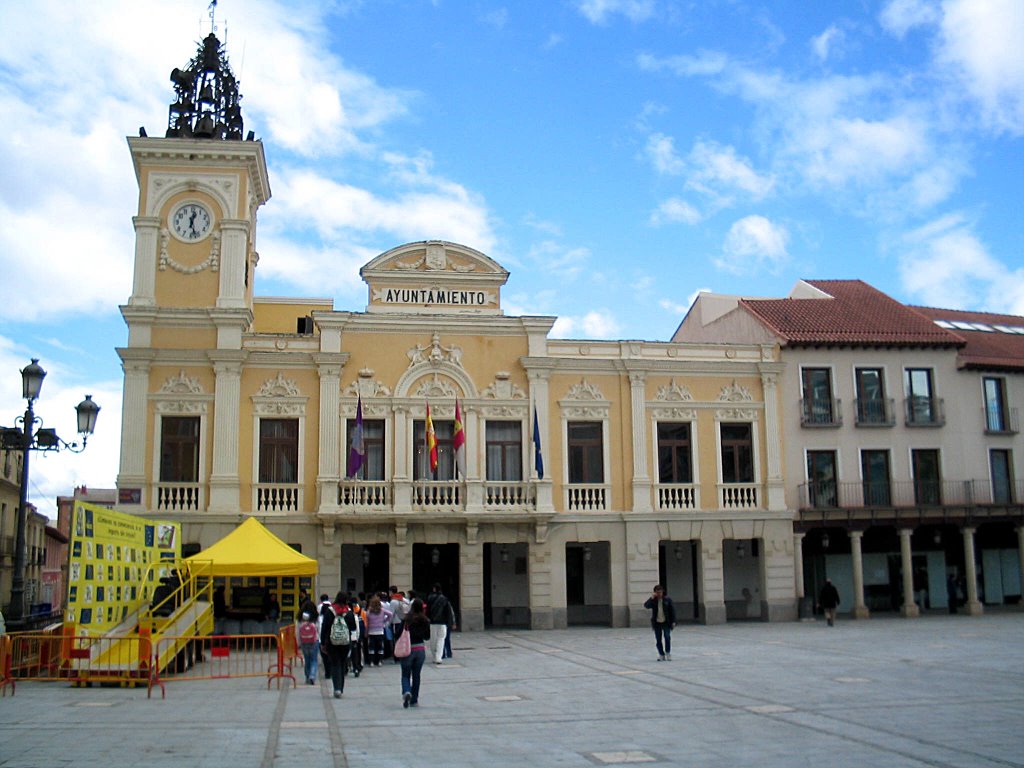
(821, 478)
(504, 450)
(995, 405)
(921, 406)
(1002, 476)
(444, 434)
(927, 481)
(874, 470)
(818, 406)
(373, 443)
(675, 462)
(586, 452)
(871, 404)
(179, 449)
(737, 453)
(279, 451)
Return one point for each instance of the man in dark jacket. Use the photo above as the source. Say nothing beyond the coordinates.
(829, 601)
(663, 620)
(439, 613)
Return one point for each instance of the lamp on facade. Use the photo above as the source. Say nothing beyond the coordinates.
(28, 438)
(435, 556)
(938, 537)
(824, 540)
(741, 549)
(586, 553)
(678, 551)
(504, 553)
(366, 555)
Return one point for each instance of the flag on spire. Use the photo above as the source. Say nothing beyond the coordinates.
(459, 442)
(538, 457)
(357, 451)
(431, 442)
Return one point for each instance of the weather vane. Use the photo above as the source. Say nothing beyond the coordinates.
(213, 14)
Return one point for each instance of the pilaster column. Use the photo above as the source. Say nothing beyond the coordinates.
(329, 467)
(1020, 551)
(641, 480)
(798, 565)
(224, 482)
(401, 475)
(909, 608)
(974, 607)
(471, 584)
(773, 448)
(712, 581)
(542, 588)
(234, 242)
(147, 234)
(134, 416)
(860, 608)
(539, 403)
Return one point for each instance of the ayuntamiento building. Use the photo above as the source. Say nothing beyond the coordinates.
(593, 469)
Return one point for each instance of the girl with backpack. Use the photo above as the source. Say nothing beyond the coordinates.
(309, 641)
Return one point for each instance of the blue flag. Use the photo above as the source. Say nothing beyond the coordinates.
(538, 457)
(357, 453)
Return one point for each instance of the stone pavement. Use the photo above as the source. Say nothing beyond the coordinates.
(887, 692)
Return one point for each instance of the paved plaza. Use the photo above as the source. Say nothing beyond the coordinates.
(887, 692)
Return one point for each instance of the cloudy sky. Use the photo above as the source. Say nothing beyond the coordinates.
(617, 156)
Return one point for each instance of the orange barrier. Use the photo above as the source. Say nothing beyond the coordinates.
(77, 658)
(288, 650)
(215, 657)
(5, 666)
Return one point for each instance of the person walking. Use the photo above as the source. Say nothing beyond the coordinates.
(324, 610)
(399, 610)
(356, 646)
(663, 620)
(418, 626)
(377, 617)
(439, 616)
(309, 641)
(829, 601)
(336, 650)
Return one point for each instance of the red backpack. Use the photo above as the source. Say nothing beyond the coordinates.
(307, 632)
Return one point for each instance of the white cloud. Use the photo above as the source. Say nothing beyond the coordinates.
(823, 44)
(752, 245)
(661, 151)
(717, 169)
(564, 261)
(703, 64)
(596, 324)
(899, 16)
(599, 11)
(497, 18)
(944, 264)
(676, 210)
(982, 42)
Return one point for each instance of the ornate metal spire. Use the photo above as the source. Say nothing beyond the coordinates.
(207, 105)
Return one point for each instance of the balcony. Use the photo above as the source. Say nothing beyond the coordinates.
(431, 495)
(365, 495)
(875, 412)
(179, 497)
(820, 412)
(924, 411)
(277, 497)
(677, 497)
(908, 494)
(586, 497)
(508, 494)
(1000, 421)
(738, 496)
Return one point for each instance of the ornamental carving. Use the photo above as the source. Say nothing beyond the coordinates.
(668, 413)
(503, 389)
(673, 392)
(503, 412)
(279, 408)
(586, 412)
(435, 353)
(212, 261)
(736, 414)
(181, 407)
(434, 259)
(366, 388)
(435, 387)
(279, 387)
(182, 384)
(584, 391)
(734, 393)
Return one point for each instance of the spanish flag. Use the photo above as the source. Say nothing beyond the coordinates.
(431, 442)
(459, 443)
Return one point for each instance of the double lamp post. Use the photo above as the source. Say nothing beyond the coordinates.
(26, 437)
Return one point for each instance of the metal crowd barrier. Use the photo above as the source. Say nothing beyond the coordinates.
(144, 659)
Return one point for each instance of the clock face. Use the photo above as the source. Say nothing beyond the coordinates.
(191, 222)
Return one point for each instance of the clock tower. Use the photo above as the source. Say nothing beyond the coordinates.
(200, 187)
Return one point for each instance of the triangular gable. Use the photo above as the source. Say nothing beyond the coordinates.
(252, 550)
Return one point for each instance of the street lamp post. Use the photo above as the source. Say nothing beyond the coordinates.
(28, 439)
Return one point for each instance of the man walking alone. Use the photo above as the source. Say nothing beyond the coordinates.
(663, 620)
(438, 610)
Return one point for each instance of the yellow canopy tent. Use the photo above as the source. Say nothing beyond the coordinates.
(252, 550)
